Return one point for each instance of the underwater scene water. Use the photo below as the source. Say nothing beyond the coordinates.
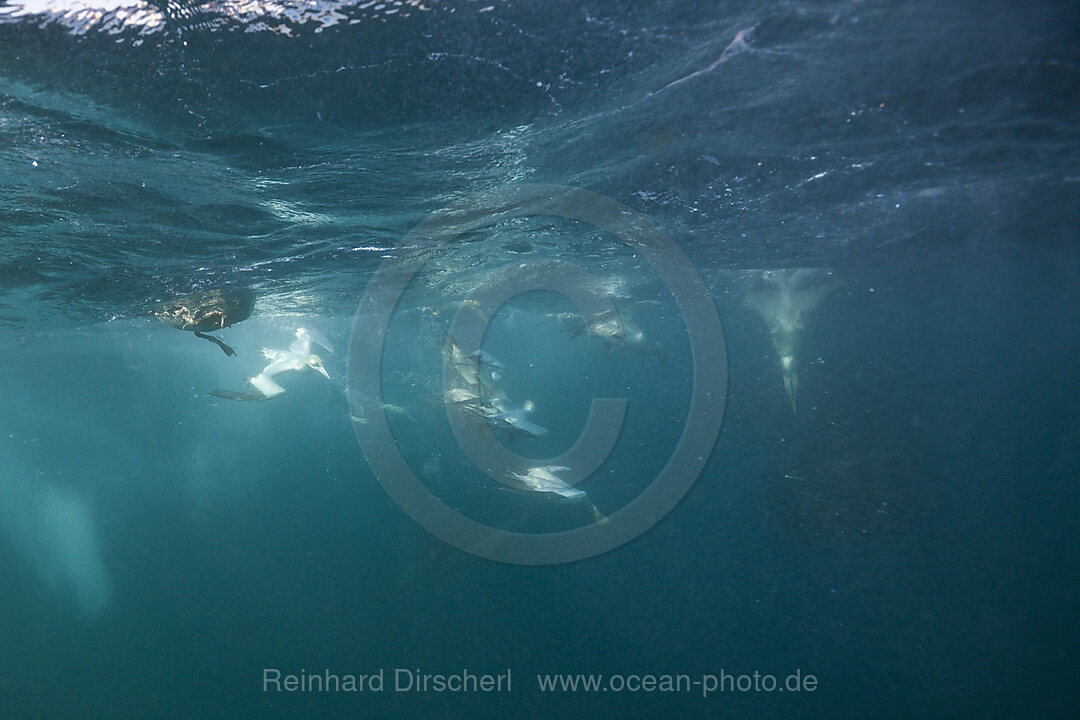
(454, 358)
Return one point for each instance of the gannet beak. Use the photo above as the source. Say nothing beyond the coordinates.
(315, 363)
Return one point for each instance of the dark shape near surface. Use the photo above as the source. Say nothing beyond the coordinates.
(208, 311)
(253, 395)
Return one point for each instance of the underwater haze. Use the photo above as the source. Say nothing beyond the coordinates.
(877, 201)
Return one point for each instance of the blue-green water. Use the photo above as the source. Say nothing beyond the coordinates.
(900, 523)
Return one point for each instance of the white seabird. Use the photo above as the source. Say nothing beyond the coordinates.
(298, 357)
(783, 298)
(543, 479)
(496, 408)
(617, 331)
(477, 369)
(514, 421)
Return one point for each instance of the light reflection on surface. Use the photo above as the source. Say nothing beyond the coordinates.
(114, 17)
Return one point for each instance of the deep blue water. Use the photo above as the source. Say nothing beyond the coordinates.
(891, 188)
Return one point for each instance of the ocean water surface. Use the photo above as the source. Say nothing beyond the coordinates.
(843, 236)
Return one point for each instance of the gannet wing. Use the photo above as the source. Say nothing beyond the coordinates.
(486, 359)
(763, 295)
(489, 383)
(265, 385)
(468, 373)
(279, 366)
(309, 336)
(499, 403)
(570, 493)
(808, 297)
(767, 291)
(524, 426)
(546, 482)
(301, 346)
(518, 482)
(453, 352)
